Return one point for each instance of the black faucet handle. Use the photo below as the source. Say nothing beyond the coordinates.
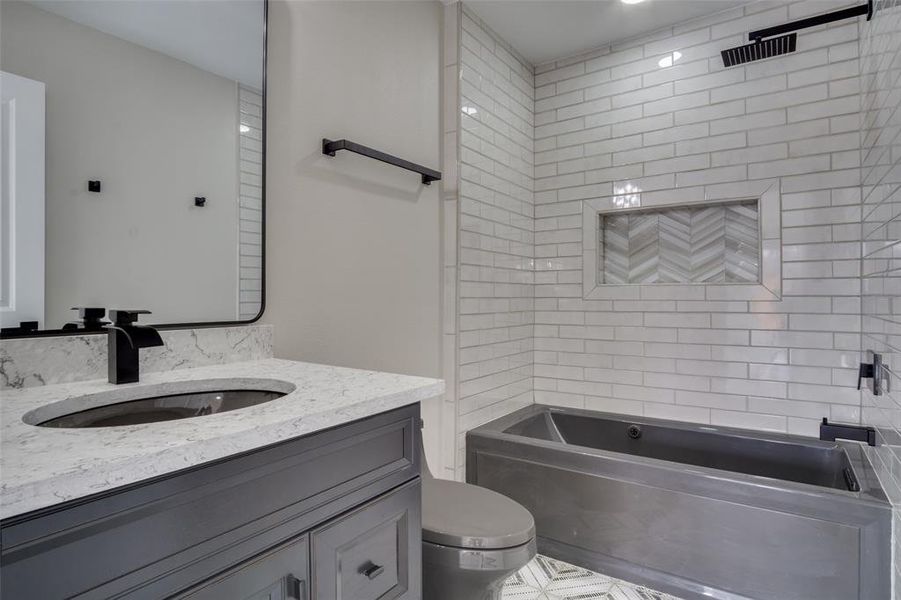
(90, 318)
(126, 317)
(90, 312)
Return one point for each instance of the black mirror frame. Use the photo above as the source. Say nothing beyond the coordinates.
(202, 324)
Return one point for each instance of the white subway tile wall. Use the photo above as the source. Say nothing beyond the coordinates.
(880, 52)
(250, 194)
(661, 117)
(496, 231)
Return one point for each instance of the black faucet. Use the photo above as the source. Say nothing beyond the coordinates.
(125, 339)
(830, 431)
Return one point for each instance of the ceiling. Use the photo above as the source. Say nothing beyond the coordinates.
(544, 30)
(225, 38)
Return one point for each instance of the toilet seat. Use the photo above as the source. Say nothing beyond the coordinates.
(471, 517)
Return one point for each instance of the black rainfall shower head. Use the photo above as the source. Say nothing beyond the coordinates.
(760, 49)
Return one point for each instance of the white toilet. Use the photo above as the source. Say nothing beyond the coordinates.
(473, 539)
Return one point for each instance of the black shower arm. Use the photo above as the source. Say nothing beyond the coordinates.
(839, 15)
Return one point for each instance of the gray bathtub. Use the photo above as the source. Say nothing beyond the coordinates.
(694, 510)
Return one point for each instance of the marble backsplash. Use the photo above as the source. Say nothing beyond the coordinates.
(28, 362)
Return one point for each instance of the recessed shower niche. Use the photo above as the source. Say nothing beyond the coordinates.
(705, 243)
(710, 248)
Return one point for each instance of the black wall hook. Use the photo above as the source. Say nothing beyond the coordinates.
(199, 201)
(94, 185)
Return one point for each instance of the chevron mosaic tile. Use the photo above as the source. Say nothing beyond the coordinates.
(718, 243)
(615, 236)
(546, 578)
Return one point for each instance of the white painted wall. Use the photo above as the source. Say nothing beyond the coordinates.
(156, 132)
(353, 245)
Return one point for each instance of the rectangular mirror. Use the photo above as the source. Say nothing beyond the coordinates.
(132, 138)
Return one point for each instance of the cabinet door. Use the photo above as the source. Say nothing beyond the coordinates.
(371, 553)
(277, 574)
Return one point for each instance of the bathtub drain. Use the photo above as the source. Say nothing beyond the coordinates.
(634, 432)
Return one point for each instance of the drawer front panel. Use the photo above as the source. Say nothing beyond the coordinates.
(279, 574)
(282, 491)
(372, 553)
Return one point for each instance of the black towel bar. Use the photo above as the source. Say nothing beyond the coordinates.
(330, 147)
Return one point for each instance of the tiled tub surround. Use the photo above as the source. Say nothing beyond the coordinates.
(616, 121)
(496, 239)
(43, 466)
(880, 50)
(28, 362)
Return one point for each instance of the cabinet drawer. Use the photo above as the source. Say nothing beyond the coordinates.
(372, 553)
(278, 574)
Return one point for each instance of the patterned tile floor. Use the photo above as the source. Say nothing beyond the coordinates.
(550, 579)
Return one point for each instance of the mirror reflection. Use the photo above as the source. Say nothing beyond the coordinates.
(132, 159)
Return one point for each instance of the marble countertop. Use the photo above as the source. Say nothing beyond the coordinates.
(42, 466)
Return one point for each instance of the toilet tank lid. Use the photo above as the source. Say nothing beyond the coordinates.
(467, 516)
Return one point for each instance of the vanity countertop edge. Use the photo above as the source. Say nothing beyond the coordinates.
(41, 467)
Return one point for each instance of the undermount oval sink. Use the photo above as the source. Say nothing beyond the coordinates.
(156, 403)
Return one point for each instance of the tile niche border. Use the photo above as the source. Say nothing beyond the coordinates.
(769, 199)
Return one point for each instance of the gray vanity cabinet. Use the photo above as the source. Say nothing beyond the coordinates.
(334, 515)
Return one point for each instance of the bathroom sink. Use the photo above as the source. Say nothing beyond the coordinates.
(151, 405)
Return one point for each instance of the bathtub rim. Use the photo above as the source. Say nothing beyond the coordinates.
(870, 493)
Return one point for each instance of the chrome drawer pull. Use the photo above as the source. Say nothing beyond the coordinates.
(372, 570)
